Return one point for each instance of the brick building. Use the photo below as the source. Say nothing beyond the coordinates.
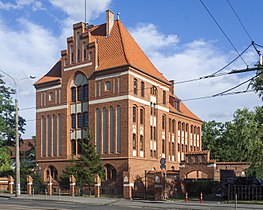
(104, 83)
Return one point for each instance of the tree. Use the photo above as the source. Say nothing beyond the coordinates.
(5, 161)
(7, 115)
(238, 140)
(86, 166)
(257, 83)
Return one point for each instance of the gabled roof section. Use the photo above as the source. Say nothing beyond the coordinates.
(121, 49)
(53, 75)
(184, 111)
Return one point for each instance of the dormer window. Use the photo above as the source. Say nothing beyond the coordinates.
(107, 86)
(177, 104)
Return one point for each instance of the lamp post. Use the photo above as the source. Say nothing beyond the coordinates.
(17, 136)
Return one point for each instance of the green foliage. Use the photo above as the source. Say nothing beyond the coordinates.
(5, 161)
(7, 115)
(238, 140)
(85, 167)
(257, 84)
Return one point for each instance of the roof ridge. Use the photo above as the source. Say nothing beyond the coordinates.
(124, 51)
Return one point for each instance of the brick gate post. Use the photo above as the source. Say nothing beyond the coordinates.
(97, 186)
(72, 183)
(29, 180)
(128, 185)
(11, 184)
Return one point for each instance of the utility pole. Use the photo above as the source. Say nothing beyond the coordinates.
(17, 153)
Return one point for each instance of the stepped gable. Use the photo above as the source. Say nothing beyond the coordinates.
(120, 49)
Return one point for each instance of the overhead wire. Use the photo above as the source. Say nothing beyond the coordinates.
(231, 43)
(240, 21)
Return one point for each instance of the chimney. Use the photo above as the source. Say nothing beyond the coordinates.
(171, 88)
(109, 21)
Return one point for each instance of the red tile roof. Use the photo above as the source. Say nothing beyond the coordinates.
(53, 75)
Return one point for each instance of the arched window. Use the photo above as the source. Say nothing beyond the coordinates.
(48, 135)
(134, 144)
(43, 136)
(154, 90)
(163, 122)
(141, 143)
(72, 54)
(141, 116)
(118, 129)
(78, 47)
(80, 93)
(98, 129)
(111, 129)
(135, 86)
(134, 114)
(111, 173)
(54, 135)
(73, 121)
(164, 97)
(107, 86)
(85, 92)
(142, 89)
(104, 120)
(90, 55)
(84, 47)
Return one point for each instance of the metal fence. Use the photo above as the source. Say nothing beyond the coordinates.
(245, 192)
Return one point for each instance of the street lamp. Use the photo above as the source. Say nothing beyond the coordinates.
(17, 136)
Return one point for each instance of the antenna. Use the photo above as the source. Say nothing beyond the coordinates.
(85, 12)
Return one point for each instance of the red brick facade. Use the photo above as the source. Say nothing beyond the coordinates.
(104, 83)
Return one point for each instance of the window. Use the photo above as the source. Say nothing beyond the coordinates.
(80, 93)
(65, 62)
(111, 129)
(142, 89)
(134, 141)
(135, 86)
(118, 129)
(72, 54)
(86, 119)
(134, 114)
(90, 55)
(104, 128)
(153, 90)
(141, 116)
(51, 96)
(154, 109)
(98, 129)
(73, 147)
(79, 147)
(163, 122)
(107, 86)
(151, 132)
(151, 105)
(154, 133)
(73, 94)
(59, 134)
(163, 146)
(141, 142)
(173, 126)
(78, 47)
(54, 135)
(43, 136)
(85, 92)
(48, 135)
(84, 51)
(173, 148)
(80, 120)
(73, 121)
(164, 97)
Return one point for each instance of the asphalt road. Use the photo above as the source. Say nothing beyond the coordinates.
(26, 204)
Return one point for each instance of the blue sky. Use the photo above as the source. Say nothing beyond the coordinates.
(180, 38)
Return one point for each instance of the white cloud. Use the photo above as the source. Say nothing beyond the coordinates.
(150, 39)
(19, 4)
(192, 60)
(31, 50)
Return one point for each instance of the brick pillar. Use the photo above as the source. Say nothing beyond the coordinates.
(72, 181)
(11, 184)
(97, 186)
(158, 186)
(29, 180)
(50, 185)
(128, 185)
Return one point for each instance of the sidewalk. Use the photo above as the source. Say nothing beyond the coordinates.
(134, 203)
